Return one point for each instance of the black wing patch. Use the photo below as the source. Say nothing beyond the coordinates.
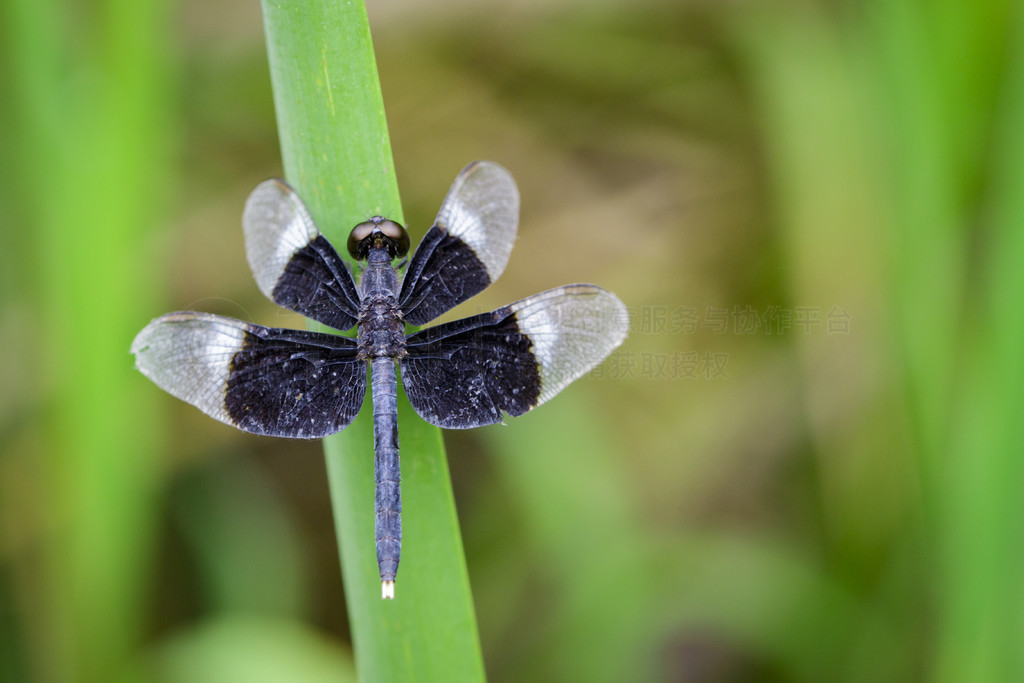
(466, 373)
(270, 381)
(454, 274)
(467, 248)
(294, 265)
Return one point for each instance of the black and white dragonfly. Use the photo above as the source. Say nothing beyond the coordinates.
(461, 374)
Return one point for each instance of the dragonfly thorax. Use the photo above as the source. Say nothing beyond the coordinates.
(380, 323)
(381, 329)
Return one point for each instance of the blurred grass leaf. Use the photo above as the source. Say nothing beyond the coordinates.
(250, 649)
(89, 121)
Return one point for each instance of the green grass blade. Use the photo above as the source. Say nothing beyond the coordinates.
(336, 152)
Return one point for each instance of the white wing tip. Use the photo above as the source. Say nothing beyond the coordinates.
(387, 590)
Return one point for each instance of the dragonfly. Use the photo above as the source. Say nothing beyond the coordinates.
(457, 375)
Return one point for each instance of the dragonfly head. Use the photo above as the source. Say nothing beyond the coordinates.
(378, 232)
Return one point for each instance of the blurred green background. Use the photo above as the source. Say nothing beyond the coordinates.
(806, 463)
